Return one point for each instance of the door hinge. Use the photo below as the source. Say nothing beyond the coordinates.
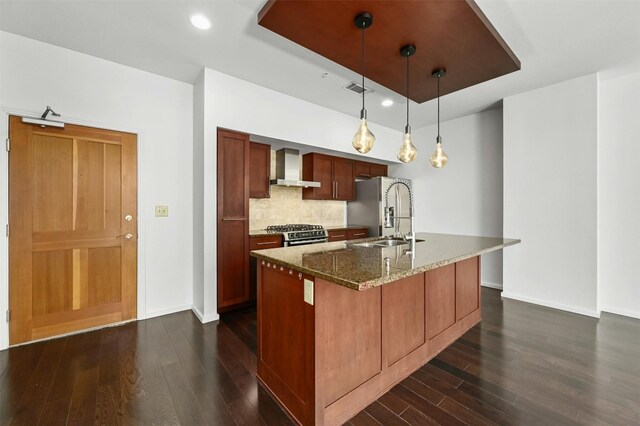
(8, 144)
(7, 230)
(8, 315)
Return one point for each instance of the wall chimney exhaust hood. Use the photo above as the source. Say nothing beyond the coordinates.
(288, 171)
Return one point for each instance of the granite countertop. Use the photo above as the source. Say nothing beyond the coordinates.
(262, 233)
(340, 228)
(361, 268)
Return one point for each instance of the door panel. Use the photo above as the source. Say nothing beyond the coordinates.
(344, 175)
(441, 299)
(69, 192)
(233, 173)
(52, 191)
(318, 168)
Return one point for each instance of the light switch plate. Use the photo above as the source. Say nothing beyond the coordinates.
(308, 291)
(162, 211)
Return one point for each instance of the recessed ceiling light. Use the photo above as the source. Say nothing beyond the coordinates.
(201, 22)
(387, 103)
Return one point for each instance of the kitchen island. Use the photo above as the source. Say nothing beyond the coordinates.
(341, 323)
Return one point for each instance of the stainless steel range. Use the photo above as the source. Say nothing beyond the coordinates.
(300, 234)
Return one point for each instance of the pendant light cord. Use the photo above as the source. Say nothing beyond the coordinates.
(408, 91)
(362, 64)
(438, 106)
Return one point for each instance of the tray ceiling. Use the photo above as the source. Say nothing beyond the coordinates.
(451, 34)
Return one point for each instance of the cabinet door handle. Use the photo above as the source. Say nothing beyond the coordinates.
(231, 219)
(336, 236)
(357, 235)
(336, 189)
(267, 243)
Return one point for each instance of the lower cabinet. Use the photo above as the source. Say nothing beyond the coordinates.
(347, 234)
(354, 234)
(349, 346)
(259, 243)
(337, 235)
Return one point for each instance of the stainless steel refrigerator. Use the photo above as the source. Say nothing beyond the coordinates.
(368, 208)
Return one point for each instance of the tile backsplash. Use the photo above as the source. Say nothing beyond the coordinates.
(287, 206)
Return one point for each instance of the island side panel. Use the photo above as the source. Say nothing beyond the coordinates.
(349, 337)
(419, 320)
(453, 302)
(467, 287)
(286, 340)
(403, 317)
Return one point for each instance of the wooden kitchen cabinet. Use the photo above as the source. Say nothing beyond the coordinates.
(379, 170)
(232, 219)
(345, 179)
(365, 169)
(354, 234)
(259, 170)
(259, 243)
(347, 234)
(337, 235)
(335, 174)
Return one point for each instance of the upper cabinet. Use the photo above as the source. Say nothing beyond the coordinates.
(365, 169)
(259, 170)
(335, 174)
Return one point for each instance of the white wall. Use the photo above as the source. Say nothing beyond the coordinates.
(550, 195)
(465, 197)
(198, 196)
(88, 90)
(619, 196)
(235, 104)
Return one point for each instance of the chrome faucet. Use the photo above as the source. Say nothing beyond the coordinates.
(389, 212)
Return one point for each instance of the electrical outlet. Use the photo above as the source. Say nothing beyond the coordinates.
(308, 291)
(162, 211)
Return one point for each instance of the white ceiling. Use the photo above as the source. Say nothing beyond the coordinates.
(554, 39)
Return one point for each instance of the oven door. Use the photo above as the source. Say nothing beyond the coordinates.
(305, 242)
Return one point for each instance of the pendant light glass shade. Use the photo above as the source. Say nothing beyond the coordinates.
(364, 139)
(439, 158)
(408, 151)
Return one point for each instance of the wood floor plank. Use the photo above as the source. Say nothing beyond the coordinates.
(35, 395)
(383, 415)
(82, 408)
(184, 400)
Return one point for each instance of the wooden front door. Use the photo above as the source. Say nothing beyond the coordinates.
(72, 229)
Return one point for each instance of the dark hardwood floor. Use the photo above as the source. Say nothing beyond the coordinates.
(523, 365)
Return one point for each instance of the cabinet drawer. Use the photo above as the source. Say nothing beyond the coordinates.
(337, 235)
(354, 234)
(261, 243)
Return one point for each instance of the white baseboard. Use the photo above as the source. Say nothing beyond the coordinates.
(204, 318)
(491, 285)
(167, 311)
(560, 306)
(623, 312)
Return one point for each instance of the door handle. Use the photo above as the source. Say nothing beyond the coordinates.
(267, 243)
(336, 189)
(231, 219)
(127, 236)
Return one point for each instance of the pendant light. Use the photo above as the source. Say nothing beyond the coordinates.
(363, 140)
(439, 158)
(408, 151)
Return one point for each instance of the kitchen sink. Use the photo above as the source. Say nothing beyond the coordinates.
(390, 243)
(384, 242)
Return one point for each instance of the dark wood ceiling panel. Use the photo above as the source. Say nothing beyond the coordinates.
(451, 34)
